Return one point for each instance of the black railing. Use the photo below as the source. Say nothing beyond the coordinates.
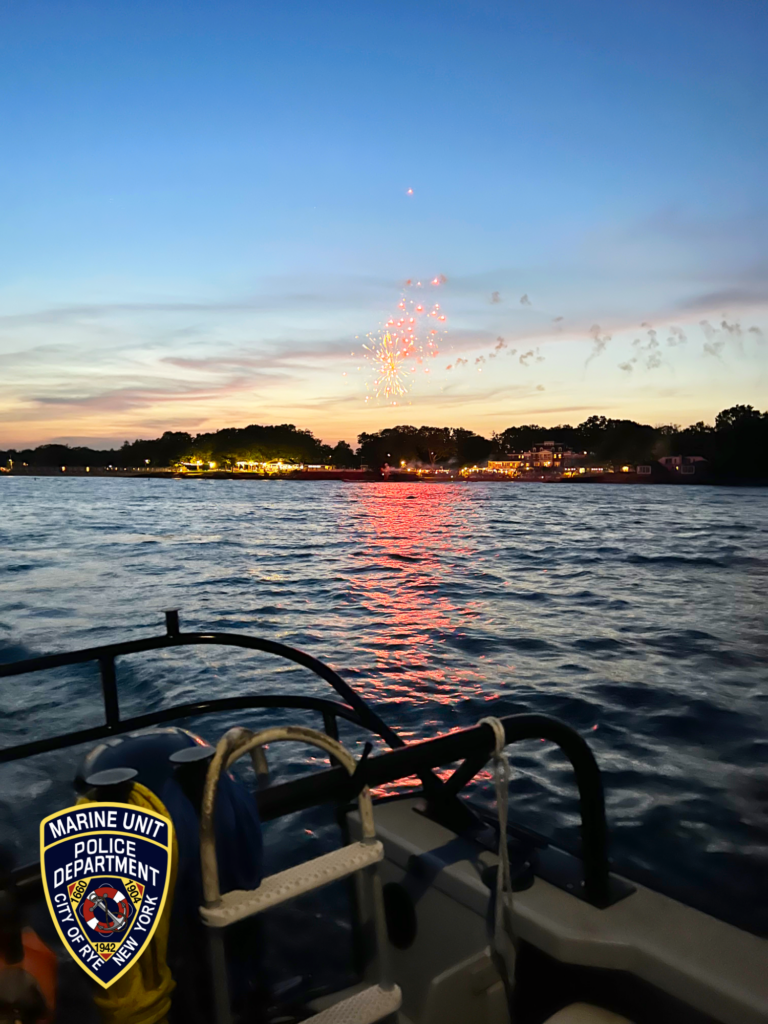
(471, 746)
(475, 745)
(354, 709)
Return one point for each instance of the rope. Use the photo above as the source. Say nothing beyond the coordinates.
(503, 936)
(143, 994)
(236, 742)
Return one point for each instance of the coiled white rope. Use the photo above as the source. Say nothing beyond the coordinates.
(503, 933)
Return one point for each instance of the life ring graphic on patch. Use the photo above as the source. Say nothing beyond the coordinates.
(106, 910)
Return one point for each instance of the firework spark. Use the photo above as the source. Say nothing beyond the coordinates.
(397, 351)
(387, 359)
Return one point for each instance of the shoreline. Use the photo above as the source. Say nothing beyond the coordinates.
(362, 476)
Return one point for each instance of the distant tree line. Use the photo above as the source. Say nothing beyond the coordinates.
(736, 446)
(224, 447)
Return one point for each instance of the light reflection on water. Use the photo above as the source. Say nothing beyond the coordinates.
(401, 577)
(636, 614)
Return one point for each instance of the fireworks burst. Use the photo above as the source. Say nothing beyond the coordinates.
(402, 346)
(387, 359)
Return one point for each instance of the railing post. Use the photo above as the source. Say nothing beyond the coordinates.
(331, 726)
(172, 622)
(109, 690)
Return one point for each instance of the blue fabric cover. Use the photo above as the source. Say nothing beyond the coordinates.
(238, 828)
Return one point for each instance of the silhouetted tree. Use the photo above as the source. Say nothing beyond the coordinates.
(343, 456)
(736, 446)
(471, 449)
(389, 447)
(164, 451)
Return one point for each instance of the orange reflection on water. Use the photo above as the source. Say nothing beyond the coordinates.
(410, 560)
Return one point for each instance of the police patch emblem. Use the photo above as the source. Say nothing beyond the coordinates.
(106, 869)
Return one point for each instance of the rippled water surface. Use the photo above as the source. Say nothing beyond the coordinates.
(636, 614)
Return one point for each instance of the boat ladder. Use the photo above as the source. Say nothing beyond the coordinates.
(374, 1003)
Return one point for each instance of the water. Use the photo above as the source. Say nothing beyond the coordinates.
(636, 614)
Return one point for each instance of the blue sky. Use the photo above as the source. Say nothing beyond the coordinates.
(205, 206)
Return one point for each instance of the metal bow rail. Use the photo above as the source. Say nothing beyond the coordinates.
(473, 747)
(354, 709)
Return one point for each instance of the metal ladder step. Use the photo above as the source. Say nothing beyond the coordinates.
(366, 1007)
(286, 885)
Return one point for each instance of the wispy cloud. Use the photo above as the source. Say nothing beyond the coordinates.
(122, 399)
(726, 298)
(89, 368)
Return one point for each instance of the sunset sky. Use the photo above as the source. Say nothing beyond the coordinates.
(206, 207)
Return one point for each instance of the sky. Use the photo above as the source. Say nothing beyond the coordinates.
(208, 206)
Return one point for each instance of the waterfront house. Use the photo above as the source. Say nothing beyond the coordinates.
(509, 464)
(548, 455)
(548, 458)
(675, 469)
(685, 465)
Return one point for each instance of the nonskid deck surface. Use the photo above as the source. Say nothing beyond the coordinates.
(708, 965)
(363, 1006)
